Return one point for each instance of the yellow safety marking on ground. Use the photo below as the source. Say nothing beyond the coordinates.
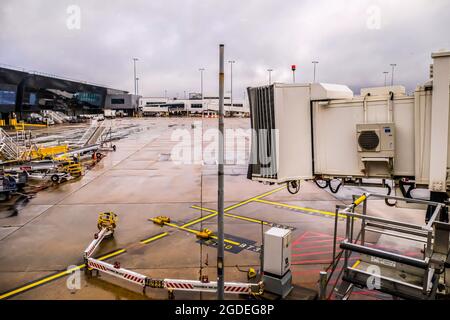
(115, 253)
(236, 216)
(199, 220)
(55, 276)
(214, 212)
(327, 213)
(159, 236)
(173, 225)
(203, 209)
(252, 199)
(356, 264)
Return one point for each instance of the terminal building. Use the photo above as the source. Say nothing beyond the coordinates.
(23, 93)
(194, 106)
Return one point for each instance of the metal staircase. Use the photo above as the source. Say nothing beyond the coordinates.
(9, 149)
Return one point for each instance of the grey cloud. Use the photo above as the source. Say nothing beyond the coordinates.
(174, 38)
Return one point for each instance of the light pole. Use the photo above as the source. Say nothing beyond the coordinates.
(165, 94)
(315, 63)
(135, 82)
(385, 77)
(393, 65)
(201, 80)
(137, 85)
(270, 76)
(220, 186)
(231, 62)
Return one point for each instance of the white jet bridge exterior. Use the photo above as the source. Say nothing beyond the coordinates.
(322, 132)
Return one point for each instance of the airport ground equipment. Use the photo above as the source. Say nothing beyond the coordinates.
(9, 149)
(322, 132)
(107, 222)
(277, 276)
(424, 275)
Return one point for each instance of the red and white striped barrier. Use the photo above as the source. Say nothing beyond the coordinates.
(118, 272)
(229, 287)
(94, 244)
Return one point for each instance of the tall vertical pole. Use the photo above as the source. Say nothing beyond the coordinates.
(201, 80)
(135, 81)
(137, 85)
(385, 78)
(220, 200)
(315, 63)
(270, 76)
(393, 65)
(231, 81)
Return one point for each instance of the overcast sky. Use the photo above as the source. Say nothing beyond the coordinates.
(353, 40)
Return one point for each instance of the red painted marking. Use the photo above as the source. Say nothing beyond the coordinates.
(323, 261)
(317, 241)
(316, 253)
(299, 239)
(312, 247)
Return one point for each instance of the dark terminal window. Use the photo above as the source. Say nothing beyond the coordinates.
(117, 101)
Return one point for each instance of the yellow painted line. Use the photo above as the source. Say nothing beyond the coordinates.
(112, 254)
(55, 276)
(327, 213)
(203, 209)
(214, 212)
(159, 236)
(227, 241)
(199, 220)
(173, 225)
(252, 199)
(236, 216)
(356, 264)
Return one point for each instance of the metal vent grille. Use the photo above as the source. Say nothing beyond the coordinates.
(368, 140)
(262, 113)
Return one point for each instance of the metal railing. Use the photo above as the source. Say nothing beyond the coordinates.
(425, 234)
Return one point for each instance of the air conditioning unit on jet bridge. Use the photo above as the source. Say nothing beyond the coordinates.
(281, 122)
(376, 146)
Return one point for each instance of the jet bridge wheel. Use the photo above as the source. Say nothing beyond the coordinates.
(322, 184)
(387, 200)
(335, 190)
(293, 186)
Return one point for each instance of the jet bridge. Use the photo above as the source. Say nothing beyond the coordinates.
(322, 132)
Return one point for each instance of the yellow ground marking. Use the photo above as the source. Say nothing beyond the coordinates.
(214, 212)
(69, 271)
(56, 276)
(115, 253)
(252, 199)
(236, 216)
(327, 213)
(173, 225)
(199, 220)
(159, 236)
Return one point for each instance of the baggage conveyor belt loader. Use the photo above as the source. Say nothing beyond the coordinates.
(107, 223)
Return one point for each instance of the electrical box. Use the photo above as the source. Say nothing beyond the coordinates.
(277, 251)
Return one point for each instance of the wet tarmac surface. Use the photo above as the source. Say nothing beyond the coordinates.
(140, 181)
